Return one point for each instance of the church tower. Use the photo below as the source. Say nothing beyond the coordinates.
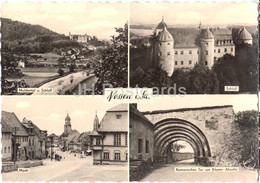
(207, 47)
(164, 49)
(96, 122)
(67, 126)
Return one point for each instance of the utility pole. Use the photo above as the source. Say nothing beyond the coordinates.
(15, 155)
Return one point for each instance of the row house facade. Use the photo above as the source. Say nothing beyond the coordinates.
(23, 140)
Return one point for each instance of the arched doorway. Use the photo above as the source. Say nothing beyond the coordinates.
(171, 130)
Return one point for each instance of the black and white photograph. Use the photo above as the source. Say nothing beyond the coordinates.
(196, 47)
(65, 140)
(55, 48)
(194, 138)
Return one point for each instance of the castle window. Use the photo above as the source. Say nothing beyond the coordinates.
(231, 49)
(160, 44)
(181, 62)
(118, 116)
(117, 139)
(190, 52)
(206, 62)
(147, 146)
(126, 156)
(214, 50)
(168, 53)
(207, 52)
(140, 145)
(168, 43)
(176, 52)
(182, 52)
(159, 53)
(106, 155)
(9, 150)
(126, 139)
(207, 44)
(117, 156)
(176, 62)
(218, 50)
(190, 62)
(198, 51)
(225, 50)
(5, 150)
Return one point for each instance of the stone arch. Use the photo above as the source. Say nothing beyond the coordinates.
(171, 130)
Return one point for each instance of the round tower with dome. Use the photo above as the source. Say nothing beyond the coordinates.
(164, 48)
(244, 37)
(207, 47)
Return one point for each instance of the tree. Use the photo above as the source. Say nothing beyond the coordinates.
(225, 68)
(113, 68)
(181, 78)
(61, 72)
(203, 80)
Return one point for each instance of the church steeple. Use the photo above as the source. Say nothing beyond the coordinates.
(96, 122)
(67, 126)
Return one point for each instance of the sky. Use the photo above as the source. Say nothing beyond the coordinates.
(192, 13)
(49, 113)
(240, 102)
(97, 19)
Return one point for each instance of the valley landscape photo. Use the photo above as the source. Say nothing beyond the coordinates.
(63, 46)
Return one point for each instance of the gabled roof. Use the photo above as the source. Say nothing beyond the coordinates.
(94, 133)
(110, 122)
(136, 112)
(12, 121)
(119, 108)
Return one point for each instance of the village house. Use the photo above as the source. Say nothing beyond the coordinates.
(109, 138)
(6, 142)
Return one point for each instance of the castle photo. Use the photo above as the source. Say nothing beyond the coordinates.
(171, 50)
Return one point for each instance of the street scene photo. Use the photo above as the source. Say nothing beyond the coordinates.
(194, 47)
(194, 138)
(68, 139)
(64, 48)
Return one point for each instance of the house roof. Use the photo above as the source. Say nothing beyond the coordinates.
(12, 121)
(94, 133)
(53, 135)
(6, 128)
(119, 108)
(110, 122)
(136, 112)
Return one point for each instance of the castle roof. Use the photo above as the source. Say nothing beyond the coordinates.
(119, 108)
(161, 25)
(244, 35)
(206, 34)
(164, 35)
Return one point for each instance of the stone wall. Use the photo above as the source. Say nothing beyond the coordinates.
(9, 166)
(215, 122)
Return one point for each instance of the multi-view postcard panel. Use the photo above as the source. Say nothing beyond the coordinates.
(177, 49)
(64, 49)
(68, 139)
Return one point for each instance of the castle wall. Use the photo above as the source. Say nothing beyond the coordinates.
(220, 51)
(186, 57)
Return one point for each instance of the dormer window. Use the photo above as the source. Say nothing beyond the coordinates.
(118, 116)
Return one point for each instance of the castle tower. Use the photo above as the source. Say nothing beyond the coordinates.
(96, 122)
(244, 37)
(67, 126)
(160, 27)
(164, 50)
(207, 48)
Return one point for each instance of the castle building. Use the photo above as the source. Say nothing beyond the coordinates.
(109, 138)
(80, 38)
(176, 48)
